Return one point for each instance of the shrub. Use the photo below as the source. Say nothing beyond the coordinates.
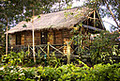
(100, 72)
(104, 48)
(13, 58)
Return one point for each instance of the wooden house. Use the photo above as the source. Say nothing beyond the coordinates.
(55, 27)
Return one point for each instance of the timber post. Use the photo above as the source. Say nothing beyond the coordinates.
(33, 43)
(28, 50)
(33, 36)
(94, 18)
(48, 49)
(68, 53)
(6, 39)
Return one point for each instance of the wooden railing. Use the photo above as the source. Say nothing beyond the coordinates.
(48, 49)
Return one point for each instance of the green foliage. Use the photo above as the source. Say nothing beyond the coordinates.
(104, 47)
(53, 61)
(17, 73)
(100, 72)
(2, 40)
(22, 58)
(18, 10)
(13, 58)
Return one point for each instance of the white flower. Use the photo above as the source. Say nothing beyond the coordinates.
(11, 71)
(20, 70)
(11, 66)
(1, 68)
(22, 74)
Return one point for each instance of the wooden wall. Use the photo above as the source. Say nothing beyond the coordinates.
(22, 38)
(12, 38)
(50, 37)
(28, 38)
(54, 37)
(58, 37)
(37, 37)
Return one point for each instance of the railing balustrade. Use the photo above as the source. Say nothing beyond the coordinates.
(48, 49)
(41, 49)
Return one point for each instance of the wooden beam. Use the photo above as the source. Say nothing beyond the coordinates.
(48, 49)
(57, 49)
(62, 36)
(93, 28)
(42, 49)
(94, 18)
(28, 50)
(54, 37)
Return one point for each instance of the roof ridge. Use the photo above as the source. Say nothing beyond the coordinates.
(61, 10)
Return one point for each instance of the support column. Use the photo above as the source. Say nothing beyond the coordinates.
(94, 18)
(68, 53)
(48, 49)
(6, 39)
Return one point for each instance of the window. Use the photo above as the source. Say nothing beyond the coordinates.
(43, 37)
(18, 39)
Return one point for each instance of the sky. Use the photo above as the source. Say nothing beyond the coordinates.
(106, 19)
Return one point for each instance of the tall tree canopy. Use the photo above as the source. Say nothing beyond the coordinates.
(20, 9)
(14, 11)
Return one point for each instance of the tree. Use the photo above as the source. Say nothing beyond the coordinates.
(2, 40)
(18, 10)
(7, 13)
(110, 8)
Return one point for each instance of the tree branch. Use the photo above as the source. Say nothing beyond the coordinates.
(6, 32)
(112, 14)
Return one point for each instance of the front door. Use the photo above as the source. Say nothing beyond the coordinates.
(43, 37)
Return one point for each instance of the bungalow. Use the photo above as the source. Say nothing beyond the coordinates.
(55, 28)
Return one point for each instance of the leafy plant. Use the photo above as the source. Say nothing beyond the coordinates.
(13, 58)
(104, 48)
(99, 72)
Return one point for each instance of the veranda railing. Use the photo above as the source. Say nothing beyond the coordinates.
(48, 49)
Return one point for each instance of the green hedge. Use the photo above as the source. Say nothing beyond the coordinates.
(66, 72)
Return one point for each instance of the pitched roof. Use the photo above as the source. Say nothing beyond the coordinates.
(56, 20)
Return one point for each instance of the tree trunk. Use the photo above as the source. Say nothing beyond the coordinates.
(33, 38)
(112, 14)
(7, 39)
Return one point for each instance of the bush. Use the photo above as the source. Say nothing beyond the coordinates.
(23, 59)
(100, 72)
(104, 48)
(13, 58)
